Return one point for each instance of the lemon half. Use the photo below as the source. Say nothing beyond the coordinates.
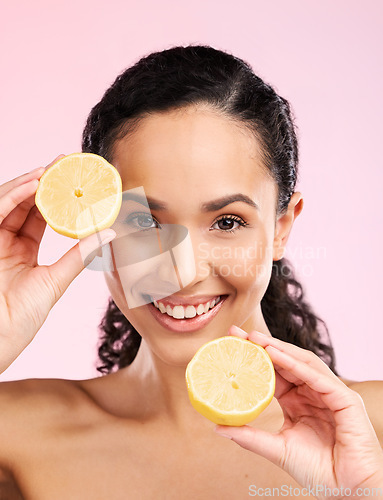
(79, 195)
(230, 380)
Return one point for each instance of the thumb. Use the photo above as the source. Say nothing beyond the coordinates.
(65, 270)
(268, 445)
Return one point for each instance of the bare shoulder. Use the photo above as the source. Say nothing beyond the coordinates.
(27, 407)
(371, 392)
(38, 396)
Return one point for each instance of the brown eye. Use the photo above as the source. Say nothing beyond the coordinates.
(226, 223)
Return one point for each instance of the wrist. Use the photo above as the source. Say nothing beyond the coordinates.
(374, 484)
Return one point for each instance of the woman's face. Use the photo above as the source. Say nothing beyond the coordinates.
(185, 160)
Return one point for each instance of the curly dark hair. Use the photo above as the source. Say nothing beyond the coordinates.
(197, 74)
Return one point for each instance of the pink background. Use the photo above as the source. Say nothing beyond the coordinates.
(57, 59)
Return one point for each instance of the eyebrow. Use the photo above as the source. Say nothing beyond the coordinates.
(209, 206)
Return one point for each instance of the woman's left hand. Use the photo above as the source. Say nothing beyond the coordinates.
(327, 438)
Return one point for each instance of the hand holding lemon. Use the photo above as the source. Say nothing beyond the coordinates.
(78, 195)
(326, 438)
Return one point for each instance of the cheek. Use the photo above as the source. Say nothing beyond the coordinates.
(148, 265)
(245, 262)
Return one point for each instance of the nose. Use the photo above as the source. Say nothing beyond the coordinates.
(190, 261)
(169, 260)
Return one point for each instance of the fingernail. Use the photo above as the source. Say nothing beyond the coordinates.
(53, 162)
(35, 170)
(259, 333)
(108, 236)
(90, 247)
(236, 328)
(223, 434)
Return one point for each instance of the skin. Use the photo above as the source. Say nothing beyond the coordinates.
(174, 150)
(134, 433)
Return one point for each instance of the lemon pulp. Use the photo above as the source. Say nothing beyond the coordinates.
(230, 380)
(79, 195)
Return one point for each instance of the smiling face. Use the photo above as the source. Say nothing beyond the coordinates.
(186, 160)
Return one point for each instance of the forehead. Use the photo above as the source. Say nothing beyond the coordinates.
(192, 154)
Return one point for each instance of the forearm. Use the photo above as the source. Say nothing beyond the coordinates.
(9, 351)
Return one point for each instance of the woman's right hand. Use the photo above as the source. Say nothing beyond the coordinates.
(28, 291)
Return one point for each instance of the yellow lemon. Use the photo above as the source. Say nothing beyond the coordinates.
(79, 195)
(230, 380)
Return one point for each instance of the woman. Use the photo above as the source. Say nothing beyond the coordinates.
(209, 142)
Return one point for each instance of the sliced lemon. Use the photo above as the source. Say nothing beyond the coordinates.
(230, 380)
(79, 195)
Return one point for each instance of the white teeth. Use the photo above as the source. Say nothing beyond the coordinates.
(200, 309)
(169, 311)
(180, 312)
(190, 312)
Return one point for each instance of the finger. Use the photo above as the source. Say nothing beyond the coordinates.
(65, 270)
(14, 221)
(333, 392)
(34, 226)
(282, 385)
(16, 196)
(54, 161)
(265, 340)
(236, 331)
(297, 352)
(286, 381)
(22, 179)
(28, 176)
(268, 445)
(18, 215)
(346, 405)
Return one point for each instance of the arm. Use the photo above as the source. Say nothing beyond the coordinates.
(327, 437)
(28, 291)
(372, 394)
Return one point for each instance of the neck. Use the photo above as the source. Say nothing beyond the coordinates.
(160, 387)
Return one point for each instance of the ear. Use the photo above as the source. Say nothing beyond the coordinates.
(284, 224)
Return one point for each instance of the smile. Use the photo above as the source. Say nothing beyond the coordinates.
(184, 323)
(181, 312)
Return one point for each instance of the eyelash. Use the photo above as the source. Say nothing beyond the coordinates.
(234, 218)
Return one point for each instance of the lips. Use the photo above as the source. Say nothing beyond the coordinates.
(187, 324)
